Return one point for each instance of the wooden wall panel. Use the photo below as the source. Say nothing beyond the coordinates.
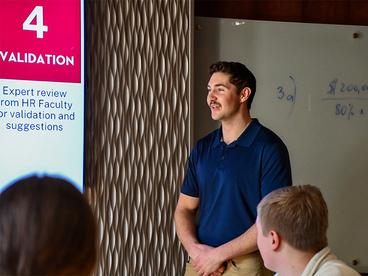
(348, 12)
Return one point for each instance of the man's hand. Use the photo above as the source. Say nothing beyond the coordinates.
(219, 271)
(207, 261)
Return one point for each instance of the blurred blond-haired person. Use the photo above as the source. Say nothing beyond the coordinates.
(291, 234)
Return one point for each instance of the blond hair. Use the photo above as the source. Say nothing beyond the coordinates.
(299, 214)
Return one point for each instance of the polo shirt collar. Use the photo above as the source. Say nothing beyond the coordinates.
(245, 139)
(218, 138)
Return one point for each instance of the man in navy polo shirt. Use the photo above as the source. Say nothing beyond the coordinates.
(229, 172)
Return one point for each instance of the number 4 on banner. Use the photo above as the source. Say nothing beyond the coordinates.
(38, 27)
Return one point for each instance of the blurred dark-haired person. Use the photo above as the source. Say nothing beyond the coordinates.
(229, 171)
(46, 228)
(292, 234)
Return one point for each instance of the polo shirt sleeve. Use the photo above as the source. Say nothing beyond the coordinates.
(190, 184)
(276, 169)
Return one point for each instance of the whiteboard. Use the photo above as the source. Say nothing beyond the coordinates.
(312, 90)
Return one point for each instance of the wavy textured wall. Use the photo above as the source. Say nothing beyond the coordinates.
(138, 130)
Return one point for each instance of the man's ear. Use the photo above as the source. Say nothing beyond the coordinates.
(244, 94)
(275, 240)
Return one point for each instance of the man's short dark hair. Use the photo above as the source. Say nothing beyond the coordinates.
(240, 76)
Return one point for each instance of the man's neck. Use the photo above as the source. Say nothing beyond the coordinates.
(294, 263)
(233, 129)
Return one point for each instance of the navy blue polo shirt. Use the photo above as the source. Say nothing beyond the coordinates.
(230, 180)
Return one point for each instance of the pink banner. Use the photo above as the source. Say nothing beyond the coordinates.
(40, 40)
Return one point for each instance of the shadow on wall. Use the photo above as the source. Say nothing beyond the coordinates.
(203, 58)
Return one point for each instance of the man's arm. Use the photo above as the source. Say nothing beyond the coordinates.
(185, 215)
(210, 259)
(242, 245)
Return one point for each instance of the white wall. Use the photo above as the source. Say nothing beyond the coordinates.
(298, 67)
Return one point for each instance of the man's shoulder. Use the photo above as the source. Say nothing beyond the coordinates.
(336, 268)
(208, 139)
(266, 131)
(326, 263)
(267, 136)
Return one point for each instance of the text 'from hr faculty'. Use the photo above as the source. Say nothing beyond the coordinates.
(33, 109)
